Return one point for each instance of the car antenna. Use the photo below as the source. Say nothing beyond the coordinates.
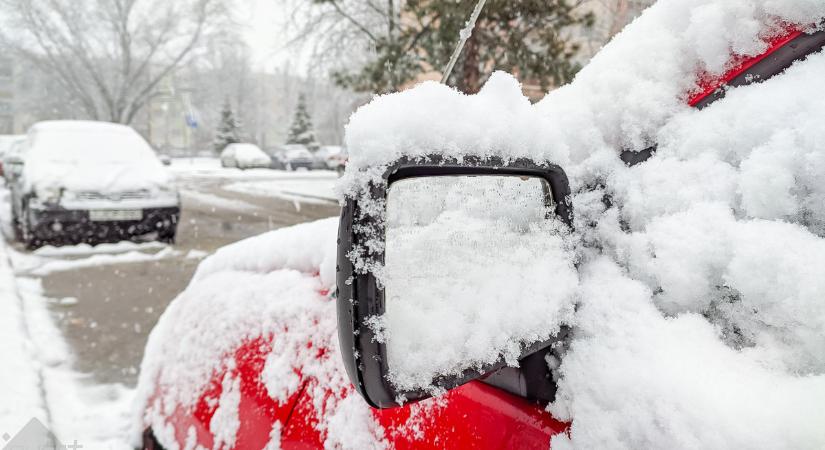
(465, 34)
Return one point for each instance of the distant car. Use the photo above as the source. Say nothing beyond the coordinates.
(297, 157)
(79, 181)
(277, 158)
(335, 157)
(6, 144)
(244, 156)
(11, 162)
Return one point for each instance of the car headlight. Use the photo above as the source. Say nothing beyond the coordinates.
(49, 194)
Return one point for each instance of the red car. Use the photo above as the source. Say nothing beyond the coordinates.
(492, 408)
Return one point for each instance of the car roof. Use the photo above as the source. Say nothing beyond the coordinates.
(78, 125)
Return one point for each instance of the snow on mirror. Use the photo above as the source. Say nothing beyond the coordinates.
(476, 268)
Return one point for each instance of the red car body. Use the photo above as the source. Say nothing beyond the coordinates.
(475, 415)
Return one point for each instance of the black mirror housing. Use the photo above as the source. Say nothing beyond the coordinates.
(360, 295)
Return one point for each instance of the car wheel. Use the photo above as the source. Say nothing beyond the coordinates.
(150, 442)
(16, 227)
(168, 236)
(289, 167)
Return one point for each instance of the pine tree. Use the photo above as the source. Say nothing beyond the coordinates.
(531, 38)
(301, 130)
(229, 130)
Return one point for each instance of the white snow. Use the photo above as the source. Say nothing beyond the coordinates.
(217, 201)
(246, 154)
(225, 421)
(90, 156)
(26, 264)
(80, 410)
(473, 261)
(20, 379)
(317, 189)
(262, 286)
(86, 249)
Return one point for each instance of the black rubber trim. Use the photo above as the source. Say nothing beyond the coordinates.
(777, 62)
(774, 64)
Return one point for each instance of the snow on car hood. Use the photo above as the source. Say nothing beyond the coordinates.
(274, 285)
(701, 317)
(91, 156)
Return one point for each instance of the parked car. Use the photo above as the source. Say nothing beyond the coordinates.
(90, 182)
(283, 385)
(6, 143)
(334, 157)
(12, 160)
(277, 158)
(298, 157)
(244, 156)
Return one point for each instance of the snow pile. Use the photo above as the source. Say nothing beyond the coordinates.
(90, 156)
(20, 379)
(309, 248)
(435, 119)
(51, 259)
(636, 379)
(458, 250)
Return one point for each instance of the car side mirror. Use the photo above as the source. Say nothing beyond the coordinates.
(448, 271)
(15, 169)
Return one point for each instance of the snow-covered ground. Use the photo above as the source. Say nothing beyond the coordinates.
(37, 380)
(79, 409)
(316, 186)
(21, 383)
(315, 189)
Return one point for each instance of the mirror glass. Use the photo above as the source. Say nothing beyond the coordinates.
(15, 168)
(476, 267)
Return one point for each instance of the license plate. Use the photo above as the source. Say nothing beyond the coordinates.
(112, 215)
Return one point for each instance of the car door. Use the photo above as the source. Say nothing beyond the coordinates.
(475, 415)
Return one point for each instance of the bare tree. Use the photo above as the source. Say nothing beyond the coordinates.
(347, 34)
(109, 55)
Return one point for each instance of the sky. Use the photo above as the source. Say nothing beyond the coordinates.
(264, 21)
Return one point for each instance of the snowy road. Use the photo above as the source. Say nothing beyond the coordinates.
(88, 311)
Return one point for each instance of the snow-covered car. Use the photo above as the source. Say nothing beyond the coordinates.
(6, 143)
(12, 160)
(298, 157)
(334, 157)
(90, 182)
(634, 262)
(244, 156)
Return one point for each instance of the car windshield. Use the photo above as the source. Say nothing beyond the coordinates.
(298, 153)
(90, 147)
(247, 151)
